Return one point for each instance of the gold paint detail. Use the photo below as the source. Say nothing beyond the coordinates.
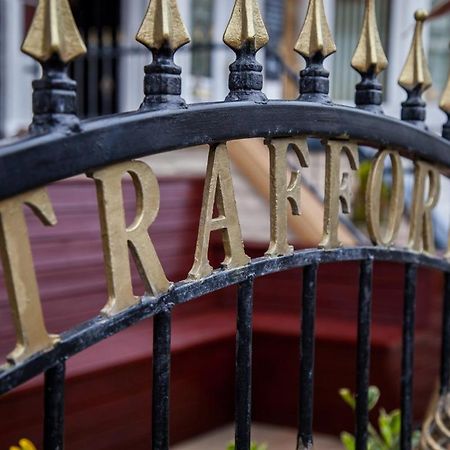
(369, 55)
(415, 73)
(24, 444)
(246, 25)
(281, 192)
(444, 104)
(315, 36)
(118, 237)
(218, 191)
(338, 190)
(19, 273)
(163, 25)
(373, 199)
(53, 31)
(421, 235)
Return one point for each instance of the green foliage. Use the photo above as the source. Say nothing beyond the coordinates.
(359, 198)
(387, 437)
(253, 446)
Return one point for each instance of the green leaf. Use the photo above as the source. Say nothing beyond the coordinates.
(374, 444)
(348, 440)
(416, 439)
(396, 422)
(374, 396)
(384, 423)
(348, 397)
(231, 446)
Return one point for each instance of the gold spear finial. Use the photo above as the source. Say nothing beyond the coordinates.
(53, 31)
(369, 54)
(315, 36)
(444, 104)
(416, 73)
(163, 24)
(246, 25)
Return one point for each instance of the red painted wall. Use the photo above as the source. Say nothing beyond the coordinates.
(109, 385)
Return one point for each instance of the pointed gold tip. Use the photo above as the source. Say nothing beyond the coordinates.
(162, 25)
(53, 31)
(415, 73)
(246, 25)
(315, 36)
(369, 54)
(444, 104)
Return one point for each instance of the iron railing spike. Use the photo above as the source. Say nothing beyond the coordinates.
(369, 60)
(415, 78)
(54, 40)
(315, 43)
(163, 32)
(245, 35)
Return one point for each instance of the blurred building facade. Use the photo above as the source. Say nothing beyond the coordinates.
(110, 76)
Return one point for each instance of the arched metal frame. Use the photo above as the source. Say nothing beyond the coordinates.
(107, 140)
(38, 160)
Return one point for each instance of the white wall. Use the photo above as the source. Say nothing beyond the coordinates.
(131, 91)
(19, 71)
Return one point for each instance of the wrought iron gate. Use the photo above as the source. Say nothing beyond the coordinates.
(60, 146)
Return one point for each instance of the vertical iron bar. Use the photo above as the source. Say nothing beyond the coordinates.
(363, 353)
(54, 407)
(78, 75)
(161, 380)
(445, 348)
(244, 365)
(92, 61)
(408, 356)
(305, 434)
(107, 79)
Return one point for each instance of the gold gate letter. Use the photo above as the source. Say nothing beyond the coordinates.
(117, 237)
(373, 199)
(20, 277)
(421, 236)
(281, 192)
(218, 190)
(337, 189)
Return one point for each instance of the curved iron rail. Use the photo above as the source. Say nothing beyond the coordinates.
(38, 160)
(100, 328)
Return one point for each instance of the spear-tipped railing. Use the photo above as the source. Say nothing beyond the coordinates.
(369, 60)
(53, 40)
(415, 78)
(163, 32)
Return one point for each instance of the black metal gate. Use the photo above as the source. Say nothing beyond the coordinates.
(60, 146)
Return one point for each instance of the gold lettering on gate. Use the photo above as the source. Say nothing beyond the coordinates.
(118, 238)
(218, 191)
(337, 189)
(373, 199)
(19, 273)
(421, 236)
(281, 192)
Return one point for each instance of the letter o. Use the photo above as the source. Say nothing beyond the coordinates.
(373, 199)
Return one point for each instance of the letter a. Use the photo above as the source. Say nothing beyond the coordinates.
(218, 190)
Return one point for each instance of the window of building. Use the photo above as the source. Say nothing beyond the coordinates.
(97, 73)
(438, 53)
(202, 42)
(274, 18)
(349, 16)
